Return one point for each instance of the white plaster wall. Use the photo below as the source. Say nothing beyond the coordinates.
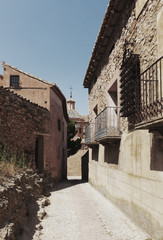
(131, 184)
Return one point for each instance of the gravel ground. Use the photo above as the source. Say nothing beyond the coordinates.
(79, 212)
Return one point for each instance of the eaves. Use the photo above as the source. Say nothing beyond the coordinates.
(113, 12)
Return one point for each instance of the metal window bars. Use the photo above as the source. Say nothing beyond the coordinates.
(149, 99)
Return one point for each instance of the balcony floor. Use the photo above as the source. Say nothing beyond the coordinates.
(155, 124)
(109, 139)
(91, 144)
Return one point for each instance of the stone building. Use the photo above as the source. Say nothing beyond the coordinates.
(125, 132)
(81, 121)
(49, 96)
(22, 125)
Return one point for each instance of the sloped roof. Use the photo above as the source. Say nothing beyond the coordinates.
(53, 86)
(27, 74)
(74, 114)
(104, 38)
(70, 100)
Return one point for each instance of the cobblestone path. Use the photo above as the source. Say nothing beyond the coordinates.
(78, 212)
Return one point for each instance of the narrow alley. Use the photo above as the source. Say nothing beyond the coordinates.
(79, 212)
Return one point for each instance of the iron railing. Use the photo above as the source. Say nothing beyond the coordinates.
(149, 97)
(90, 134)
(107, 123)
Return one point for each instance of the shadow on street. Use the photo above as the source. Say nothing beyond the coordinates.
(67, 184)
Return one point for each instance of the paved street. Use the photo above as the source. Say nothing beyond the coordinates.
(78, 212)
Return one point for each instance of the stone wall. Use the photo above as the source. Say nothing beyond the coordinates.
(17, 197)
(160, 32)
(141, 34)
(135, 183)
(20, 122)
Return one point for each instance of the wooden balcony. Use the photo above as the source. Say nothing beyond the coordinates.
(149, 111)
(107, 124)
(90, 135)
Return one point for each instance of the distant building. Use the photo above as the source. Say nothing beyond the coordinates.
(74, 162)
(54, 145)
(81, 121)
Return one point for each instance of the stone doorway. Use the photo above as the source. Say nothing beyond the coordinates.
(39, 152)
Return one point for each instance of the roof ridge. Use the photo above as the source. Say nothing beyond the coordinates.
(28, 74)
(74, 110)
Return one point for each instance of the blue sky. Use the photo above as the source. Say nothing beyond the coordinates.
(52, 39)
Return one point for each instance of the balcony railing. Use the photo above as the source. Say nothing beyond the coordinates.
(90, 134)
(150, 97)
(107, 123)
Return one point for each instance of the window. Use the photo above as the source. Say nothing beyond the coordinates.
(59, 124)
(156, 153)
(14, 81)
(113, 110)
(63, 137)
(113, 94)
(95, 153)
(111, 154)
(58, 152)
(130, 85)
(96, 110)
